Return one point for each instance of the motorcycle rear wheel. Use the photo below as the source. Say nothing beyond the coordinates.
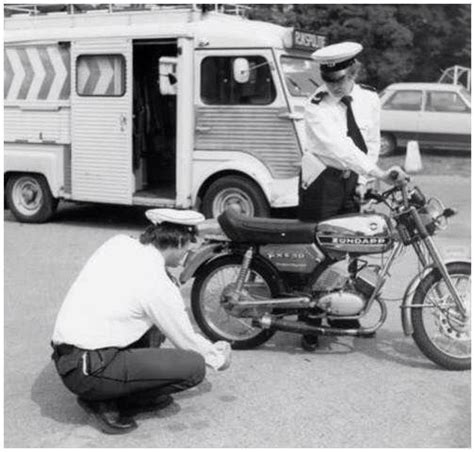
(438, 333)
(206, 301)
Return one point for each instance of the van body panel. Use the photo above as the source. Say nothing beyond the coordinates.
(208, 163)
(102, 121)
(185, 123)
(265, 131)
(45, 159)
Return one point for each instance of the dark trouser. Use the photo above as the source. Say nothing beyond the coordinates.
(114, 373)
(329, 195)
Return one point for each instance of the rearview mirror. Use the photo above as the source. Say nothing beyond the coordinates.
(241, 70)
(168, 81)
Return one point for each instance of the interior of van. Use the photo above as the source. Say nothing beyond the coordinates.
(154, 123)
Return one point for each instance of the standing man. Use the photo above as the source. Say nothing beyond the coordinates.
(124, 290)
(342, 126)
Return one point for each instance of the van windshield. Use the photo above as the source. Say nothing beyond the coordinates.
(301, 75)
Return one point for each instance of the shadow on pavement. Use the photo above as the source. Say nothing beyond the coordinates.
(57, 403)
(385, 346)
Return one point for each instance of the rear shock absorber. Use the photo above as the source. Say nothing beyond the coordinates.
(234, 298)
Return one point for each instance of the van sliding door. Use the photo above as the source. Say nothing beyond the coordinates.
(101, 123)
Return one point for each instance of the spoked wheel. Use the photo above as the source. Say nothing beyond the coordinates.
(439, 330)
(214, 316)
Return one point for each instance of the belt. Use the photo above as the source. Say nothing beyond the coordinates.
(343, 174)
(63, 349)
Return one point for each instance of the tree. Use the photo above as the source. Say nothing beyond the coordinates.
(402, 42)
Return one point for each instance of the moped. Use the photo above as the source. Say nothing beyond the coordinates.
(254, 276)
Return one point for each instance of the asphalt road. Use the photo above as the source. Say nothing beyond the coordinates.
(379, 392)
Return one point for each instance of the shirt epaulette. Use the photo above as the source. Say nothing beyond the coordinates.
(318, 97)
(368, 87)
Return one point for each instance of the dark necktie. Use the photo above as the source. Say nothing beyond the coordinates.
(353, 130)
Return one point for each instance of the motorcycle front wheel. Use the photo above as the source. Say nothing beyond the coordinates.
(439, 330)
(212, 315)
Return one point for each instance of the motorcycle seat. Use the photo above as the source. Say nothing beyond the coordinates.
(243, 229)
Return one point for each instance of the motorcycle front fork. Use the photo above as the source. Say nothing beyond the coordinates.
(439, 264)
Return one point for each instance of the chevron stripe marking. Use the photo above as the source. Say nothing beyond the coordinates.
(106, 76)
(46, 85)
(59, 70)
(18, 74)
(94, 75)
(66, 57)
(29, 73)
(38, 71)
(8, 74)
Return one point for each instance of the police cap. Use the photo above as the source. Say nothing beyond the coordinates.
(336, 59)
(184, 217)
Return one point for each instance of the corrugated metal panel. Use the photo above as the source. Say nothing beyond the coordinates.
(101, 134)
(67, 169)
(256, 130)
(37, 125)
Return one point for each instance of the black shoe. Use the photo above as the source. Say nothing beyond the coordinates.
(133, 404)
(309, 342)
(107, 417)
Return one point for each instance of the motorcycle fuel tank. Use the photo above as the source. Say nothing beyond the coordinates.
(355, 233)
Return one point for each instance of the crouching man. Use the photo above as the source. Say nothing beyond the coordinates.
(123, 291)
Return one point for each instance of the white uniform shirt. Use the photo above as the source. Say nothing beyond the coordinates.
(326, 132)
(120, 293)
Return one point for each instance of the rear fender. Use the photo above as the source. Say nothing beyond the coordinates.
(197, 258)
(411, 290)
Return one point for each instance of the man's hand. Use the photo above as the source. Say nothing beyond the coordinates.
(224, 348)
(394, 175)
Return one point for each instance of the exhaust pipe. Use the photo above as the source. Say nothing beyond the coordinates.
(270, 321)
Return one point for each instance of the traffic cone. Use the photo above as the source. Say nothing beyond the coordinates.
(413, 158)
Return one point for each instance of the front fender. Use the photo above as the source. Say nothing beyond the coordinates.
(411, 290)
(197, 258)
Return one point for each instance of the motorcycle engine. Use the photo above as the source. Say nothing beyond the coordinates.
(342, 295)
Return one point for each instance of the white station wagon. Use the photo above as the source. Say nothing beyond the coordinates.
(437, 115)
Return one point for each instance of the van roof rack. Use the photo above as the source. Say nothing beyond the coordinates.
(70, 8)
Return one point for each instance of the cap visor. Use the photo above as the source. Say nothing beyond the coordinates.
(333, 77)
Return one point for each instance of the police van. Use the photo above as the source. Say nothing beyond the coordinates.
(162, 106)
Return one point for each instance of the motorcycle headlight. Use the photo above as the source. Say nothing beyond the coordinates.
(435, 209)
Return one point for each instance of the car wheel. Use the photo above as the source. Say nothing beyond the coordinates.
(29, 198)
(387, 144)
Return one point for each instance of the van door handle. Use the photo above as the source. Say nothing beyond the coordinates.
(293, 116)
(203, 129)
(123, 122)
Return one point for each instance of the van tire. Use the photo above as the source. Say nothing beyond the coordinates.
(239, 191)
(29, 198)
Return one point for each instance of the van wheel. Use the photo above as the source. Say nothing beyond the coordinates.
(29, 198)
(387, 144)
(235, 192)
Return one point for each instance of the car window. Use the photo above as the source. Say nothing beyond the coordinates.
(466, 93)
(404, 100)
(445, 101)
(218, 86)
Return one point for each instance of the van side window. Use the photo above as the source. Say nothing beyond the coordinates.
(409, 100)
(100, 75)
(218, 86)
(445, 101)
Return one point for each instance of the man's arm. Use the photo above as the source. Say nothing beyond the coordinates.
(335, 149)
(167, 310)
